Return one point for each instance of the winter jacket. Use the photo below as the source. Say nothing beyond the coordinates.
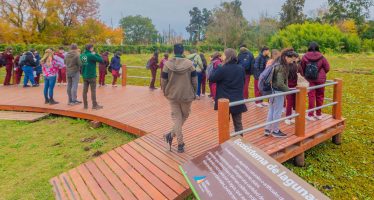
(28, 60)
(115, 63)
(179, 80)
(245, 56)
(230, 84)
(105, 63)
(322, 64)
(260, 65)
(72, 62)
(197, 62)
(153, 63)
(280, 78)
(89, 61)
(8, 58)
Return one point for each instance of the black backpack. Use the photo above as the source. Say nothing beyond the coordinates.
(311, 70)
(2, 61)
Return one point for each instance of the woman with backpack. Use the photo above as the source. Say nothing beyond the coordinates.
(115, 65)
(279, 84)
(50, 71)
(315, 68)
(214, 64)
(153, 66)
(230, 79)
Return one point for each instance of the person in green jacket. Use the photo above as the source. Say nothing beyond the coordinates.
(89, 60)
(199, 66)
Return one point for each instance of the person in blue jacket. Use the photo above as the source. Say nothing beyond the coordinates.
(115, 65)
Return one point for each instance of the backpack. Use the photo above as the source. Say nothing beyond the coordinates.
(148, 65)
(311, 70)
(2, 61)
(194, 61)
(265, 81)
(246, 62)
(209, 70)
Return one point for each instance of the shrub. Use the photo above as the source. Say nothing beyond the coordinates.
(368, 45)
(328, 37)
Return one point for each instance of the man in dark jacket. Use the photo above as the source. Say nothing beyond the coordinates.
(28, 64)
(8, 58)
(246, 60)
(73, 65)
(115, 64)
(316, 96)
(259, 67)
(230, 83)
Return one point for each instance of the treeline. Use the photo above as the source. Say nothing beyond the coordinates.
(126, 49)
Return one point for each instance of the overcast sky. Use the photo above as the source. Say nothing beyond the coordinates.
(175, 12)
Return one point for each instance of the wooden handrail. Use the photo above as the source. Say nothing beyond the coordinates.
(124, 75)
(300, 108)
(337, 97)
(223, 120)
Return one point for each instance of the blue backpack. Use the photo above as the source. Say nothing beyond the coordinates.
(265, 81)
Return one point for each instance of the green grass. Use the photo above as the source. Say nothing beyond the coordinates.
(32, 153)
(340, 172)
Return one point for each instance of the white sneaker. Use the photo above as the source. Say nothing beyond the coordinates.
(288, 122)
(259, 105)
(265, 104)
(319, 117)
(203, 95)
(309, 118)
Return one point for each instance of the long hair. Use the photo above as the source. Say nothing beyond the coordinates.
(292, 71)
(231, 56)
(203, 59)
(313, 47)
(47, 57)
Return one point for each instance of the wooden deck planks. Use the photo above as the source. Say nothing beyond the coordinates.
(145, 168)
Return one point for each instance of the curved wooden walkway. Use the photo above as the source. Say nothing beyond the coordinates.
(144, 168)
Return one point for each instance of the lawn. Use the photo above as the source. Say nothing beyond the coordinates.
(29, 160)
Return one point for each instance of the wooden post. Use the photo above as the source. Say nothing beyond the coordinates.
(299, 160)
(300, 109)
(338, 94)
(124, 75)
(223, 120)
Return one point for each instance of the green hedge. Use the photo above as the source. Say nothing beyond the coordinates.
(126, 49)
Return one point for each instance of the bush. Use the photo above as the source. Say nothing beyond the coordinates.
(368, 45)
(328, 37)
(126, 49)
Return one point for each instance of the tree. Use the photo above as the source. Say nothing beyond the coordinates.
(228, 25)
(260, 31)
(340, 10)
(198, 24)
(292, 12)
(138, 30)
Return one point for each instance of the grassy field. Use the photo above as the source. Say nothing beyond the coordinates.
(341, 172)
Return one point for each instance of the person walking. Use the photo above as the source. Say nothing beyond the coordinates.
(162, 64)
(199, 66)
(279, 85)
(179, 85)
(59, 58)
(214, 64)
(246, 60)
(103, 67)
(115, 64)
(73, 65)
(313, 59)
(230, 79)
(258, 68)
(8, 58)
(50, 70)
(28, 63)
(153, 64)
(89, 59)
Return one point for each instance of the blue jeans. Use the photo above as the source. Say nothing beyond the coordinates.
(49, 85)
(275, 111)
(29, 75)
(199, 79)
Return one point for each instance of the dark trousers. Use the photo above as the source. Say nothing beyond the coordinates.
(18, 76)
(291, 104)
(246, 86)
(316, 98)
(257, 90)
(102, 73)
(237, 121)
(203, 83)
(153, 73)
(8, 75)
(91, 82)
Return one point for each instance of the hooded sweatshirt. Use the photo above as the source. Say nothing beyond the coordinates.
(89, 61)
(179, 81)
(246, 60)
(322, 64)
(73, 62)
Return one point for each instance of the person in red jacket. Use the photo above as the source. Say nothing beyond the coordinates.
(17, 70)
(103, 68)
(162, 64)
(215, 62)
(153, 67)
(8, 57)
(316, 96)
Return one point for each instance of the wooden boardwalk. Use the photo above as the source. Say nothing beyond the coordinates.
(144, 168)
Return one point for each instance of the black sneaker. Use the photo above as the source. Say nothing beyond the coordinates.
(267, 132)
(35, 85)
(278, 134)
(26, 86)
(181, 148)
(46, 101)
(168, 139)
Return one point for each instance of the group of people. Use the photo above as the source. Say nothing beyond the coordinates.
(229, 77)
(65, 68)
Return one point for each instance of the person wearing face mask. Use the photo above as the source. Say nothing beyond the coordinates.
(279, 85)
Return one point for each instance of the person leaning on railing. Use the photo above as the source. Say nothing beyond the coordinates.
(279, 85)
(230, 79)
(323, 67)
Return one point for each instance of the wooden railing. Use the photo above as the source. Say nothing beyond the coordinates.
(125, 75)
